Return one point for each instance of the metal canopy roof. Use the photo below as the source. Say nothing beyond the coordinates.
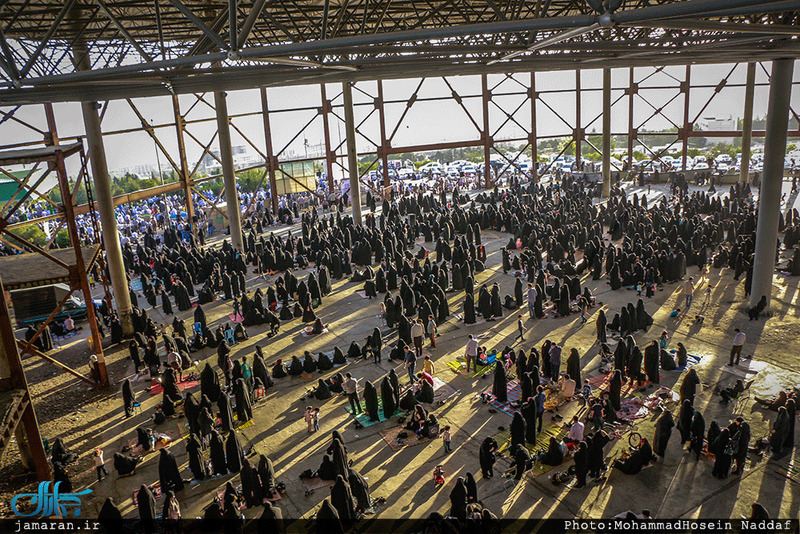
(33, 155)
(156, 47)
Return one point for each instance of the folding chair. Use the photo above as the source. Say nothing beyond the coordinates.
(229, 337)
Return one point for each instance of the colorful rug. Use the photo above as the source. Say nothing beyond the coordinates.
(363, 418)
(316, 483)
(459, 366)
(158, 389)
(601, 383)
(513, 391)
(390, 437)
(155, 487)
(632, 409)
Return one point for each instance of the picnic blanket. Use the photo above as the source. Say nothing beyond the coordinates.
(158, 389)
(691, 361)
(459, 366)
(632, 408)
(236, 319)
(312, 484)
(549, 430)
(390, 437)
(161, 442)
(155, 487)
(442, 390)
(745, 368)
(602, 383)
(363, 418)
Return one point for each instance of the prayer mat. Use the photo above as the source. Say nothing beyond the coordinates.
(157, 389)
(304, 376)
(632, 409)
(542, 443)
(745, 368)
(459, 366)
(442, 390)
(363, 294)
(137, 450)
(691, 361)
(600, 382)
(315, 483)
(513, 391)
(246, 424)
(390, 437)
(363, 418)
(155, 487)
(236, 319)
(790, 471)
(306, 332)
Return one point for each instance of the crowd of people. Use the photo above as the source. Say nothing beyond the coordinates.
(557, 243)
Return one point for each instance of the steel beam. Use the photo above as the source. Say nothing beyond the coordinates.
(382, 150)
(72, 229)
(687, 126)
(185, 179)
(747, 122)
(272, 163)
(487, 133)
(329, 155)
(606, 133)
(578, 128)
(228, 171)
(534, 141)
(352, 156)
(631, 92)
(769, 198)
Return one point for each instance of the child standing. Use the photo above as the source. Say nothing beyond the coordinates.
(446, 438)
(427, 366)
(520, 327)
(99, 464)
(309, 419)
(316, 419)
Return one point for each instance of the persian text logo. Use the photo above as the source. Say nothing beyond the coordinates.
(49, 503)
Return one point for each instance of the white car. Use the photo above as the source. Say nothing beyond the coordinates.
(702, 166)
(469, 170)
(723, 158)
(722, 168)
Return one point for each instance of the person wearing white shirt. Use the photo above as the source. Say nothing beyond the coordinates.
(471, 353)
(738, 343)
(575, 434)
(567, 387)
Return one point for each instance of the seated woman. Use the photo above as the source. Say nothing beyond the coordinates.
(775, 403)
(555, 453)
(278, 370)
(326, 469)
(322, 391)
(239, 333)
(430, 428)
(335, 383)
(125, 464)
(318, 327)
(732, 392)
(418, 418)
(636, 460)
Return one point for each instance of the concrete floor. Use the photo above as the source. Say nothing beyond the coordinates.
(677, 487)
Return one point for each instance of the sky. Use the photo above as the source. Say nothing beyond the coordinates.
(425, 122)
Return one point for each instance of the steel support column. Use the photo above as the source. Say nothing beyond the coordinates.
(272, 164)
(352, 155)
(631, 93)
(747, 122)
(780, 92)
(578, 132)
(384, 142)
(686, 126)
(329, 156)
(533, 139)
(228, 171)
(185, 179)
(487, 134)
(79, 275)
(105, 206)
(606, 132)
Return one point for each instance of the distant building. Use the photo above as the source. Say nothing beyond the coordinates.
(717, 124)
(241, 158)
